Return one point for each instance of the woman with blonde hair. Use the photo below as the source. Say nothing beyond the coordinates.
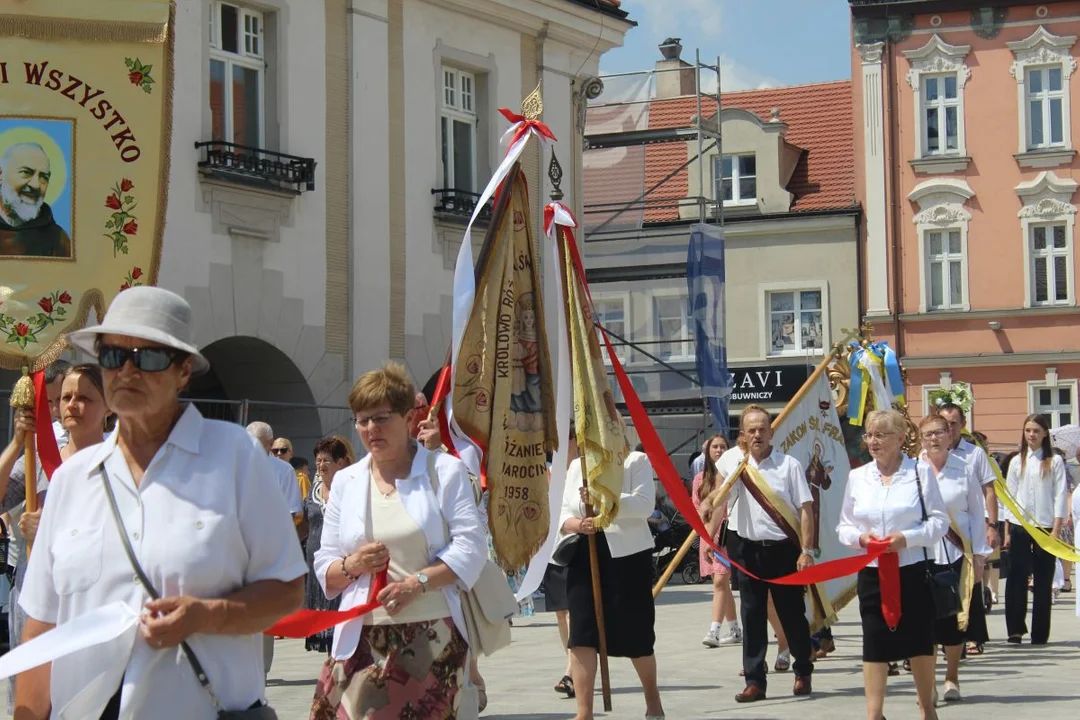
(723, 605)
(1036, 478)
(411, 512)
(891, 499)
(966, 505)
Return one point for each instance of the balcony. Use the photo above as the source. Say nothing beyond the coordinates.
(459, 205)
(256, 167)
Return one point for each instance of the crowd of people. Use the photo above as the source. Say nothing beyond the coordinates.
(151, 490)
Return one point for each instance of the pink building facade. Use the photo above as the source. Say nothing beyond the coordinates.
(966, 167)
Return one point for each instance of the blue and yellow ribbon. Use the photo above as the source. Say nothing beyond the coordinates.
(882, 356)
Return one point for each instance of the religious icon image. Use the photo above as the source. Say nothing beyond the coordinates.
(817, 477)
(526, 402)
(36, 177)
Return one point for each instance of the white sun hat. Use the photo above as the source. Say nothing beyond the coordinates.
(147, 313)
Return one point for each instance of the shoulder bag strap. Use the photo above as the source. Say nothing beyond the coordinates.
(922, 504)
(200, 674)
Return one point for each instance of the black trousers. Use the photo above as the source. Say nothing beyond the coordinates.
(770, 560)
(1026, 558)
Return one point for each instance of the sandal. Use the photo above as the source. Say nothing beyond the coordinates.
(894, 669)
(566, 685)
(783, 662)
(907, 665)
(975, 648)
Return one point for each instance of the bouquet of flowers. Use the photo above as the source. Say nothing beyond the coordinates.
(958, 394)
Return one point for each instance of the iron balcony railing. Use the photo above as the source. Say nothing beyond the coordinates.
(287, 172)
(460, 203)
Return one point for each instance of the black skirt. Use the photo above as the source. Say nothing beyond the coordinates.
(629, 613)
(914, 636)
(947, 631)
(555, 597)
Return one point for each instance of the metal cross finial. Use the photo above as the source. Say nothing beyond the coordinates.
(555, 175)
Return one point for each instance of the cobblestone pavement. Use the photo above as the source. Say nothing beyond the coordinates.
(698, 682)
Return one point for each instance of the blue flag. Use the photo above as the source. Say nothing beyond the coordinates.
(705, 293)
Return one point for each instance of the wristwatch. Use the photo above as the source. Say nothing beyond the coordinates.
(422, 578)
(812, 552)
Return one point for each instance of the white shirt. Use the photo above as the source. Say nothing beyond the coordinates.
(290, 489)
(1045, 497)
(347, 526)
(785, 476)
(977, 462)
(629, 532)
(205, 521)
(873, 507)
(965, 504)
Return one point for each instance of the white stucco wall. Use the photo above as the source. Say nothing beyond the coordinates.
(241, 284)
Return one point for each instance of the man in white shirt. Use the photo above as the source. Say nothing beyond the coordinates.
(263, 435)
(763, 542)
(978, 465)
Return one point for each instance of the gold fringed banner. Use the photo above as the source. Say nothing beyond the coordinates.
(503, 391)
(85, 132)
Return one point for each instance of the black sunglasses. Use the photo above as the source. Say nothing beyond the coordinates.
(147, 359)
(279, 451)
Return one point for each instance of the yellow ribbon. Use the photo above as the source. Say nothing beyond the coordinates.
(829, 614)
(1043, 539)
(967, 576)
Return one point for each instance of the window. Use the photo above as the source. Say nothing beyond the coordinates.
(941, 110)
(1045, 99)
(1042, 65)
(1056, 403)
(1049, 264)
(795, 321)
(612, 315)
(736, 179)
(237, 70)
(457, 129)
(671, 328)
(945, 265)
(937, 77)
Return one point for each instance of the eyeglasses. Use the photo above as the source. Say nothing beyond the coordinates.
(147, 359)
(931, 434)
(380, 420)
(279, 451)
(870, 436)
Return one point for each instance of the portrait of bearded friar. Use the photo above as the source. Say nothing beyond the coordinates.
(27, 225)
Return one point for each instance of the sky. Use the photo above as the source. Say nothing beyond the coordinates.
(761, 43)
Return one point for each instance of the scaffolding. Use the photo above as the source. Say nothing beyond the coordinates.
(635, 116)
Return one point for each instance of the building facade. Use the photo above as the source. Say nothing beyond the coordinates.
(966, 174)
(326, 155)
(783, 185)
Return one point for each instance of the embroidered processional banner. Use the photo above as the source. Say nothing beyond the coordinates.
(503, 395)
(85, 127)
(811, 433)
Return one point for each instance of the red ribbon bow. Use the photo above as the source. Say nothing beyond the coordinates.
(524, 125)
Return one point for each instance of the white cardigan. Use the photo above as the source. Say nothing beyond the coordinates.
(629, 532)
(345, 528)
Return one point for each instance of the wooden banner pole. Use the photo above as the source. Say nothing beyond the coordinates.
(598, 599)
(22, 398)
(720, 495)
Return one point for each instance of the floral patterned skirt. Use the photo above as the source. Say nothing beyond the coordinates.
(411, 671)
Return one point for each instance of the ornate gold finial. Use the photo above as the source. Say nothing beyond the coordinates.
(533, 104)
(22, 395)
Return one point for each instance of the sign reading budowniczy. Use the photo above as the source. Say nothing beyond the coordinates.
(767, 383)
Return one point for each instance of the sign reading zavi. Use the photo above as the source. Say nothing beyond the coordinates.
(767, 383)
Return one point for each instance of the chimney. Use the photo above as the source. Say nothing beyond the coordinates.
(677, 77)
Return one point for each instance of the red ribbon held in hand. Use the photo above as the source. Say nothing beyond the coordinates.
(305, 623)
(889, 580)
(47, 451)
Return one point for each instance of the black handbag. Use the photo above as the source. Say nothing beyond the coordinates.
(944, 583)
(258, 711)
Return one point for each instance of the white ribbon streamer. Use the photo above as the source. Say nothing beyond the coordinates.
(559, 349)
(94, 628)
